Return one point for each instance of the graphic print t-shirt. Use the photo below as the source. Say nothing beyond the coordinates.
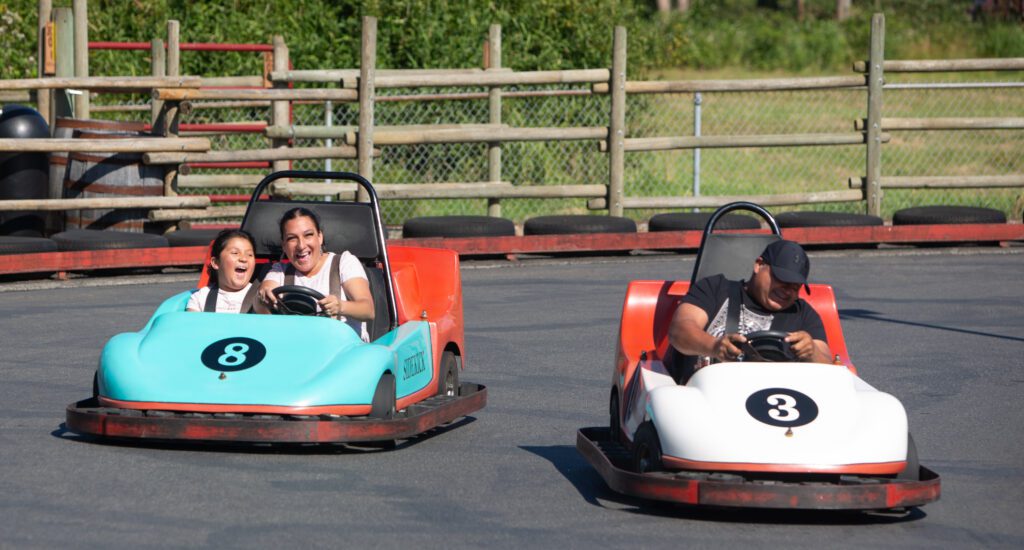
(711, 294)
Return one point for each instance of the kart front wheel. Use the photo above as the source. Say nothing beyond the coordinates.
(646, 449)
(614, 424)
(913, 470)
(383, 405)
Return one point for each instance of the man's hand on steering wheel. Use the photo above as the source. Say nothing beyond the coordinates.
(802, 345)
(727, 347)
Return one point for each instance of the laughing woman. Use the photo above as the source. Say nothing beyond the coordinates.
(233, 260)
(309, 266)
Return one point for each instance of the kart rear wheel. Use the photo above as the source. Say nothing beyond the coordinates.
(448, 382)
(913, 470)
(647, 449)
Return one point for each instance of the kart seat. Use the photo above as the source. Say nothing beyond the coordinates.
(346, 226)
(732, 254)
(379, 326)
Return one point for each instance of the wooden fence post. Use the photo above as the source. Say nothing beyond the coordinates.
(43, 96)
(873, 192)
(281, 113)
(157, 67)
(617, 129)
(80, 9)
(367, 98)
(171, 129)
(494, 106)
(63, 29)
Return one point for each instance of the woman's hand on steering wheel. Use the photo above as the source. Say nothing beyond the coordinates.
(331, 305)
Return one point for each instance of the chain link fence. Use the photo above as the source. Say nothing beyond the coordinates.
(707, 172)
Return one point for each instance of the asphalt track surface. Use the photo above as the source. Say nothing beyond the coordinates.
(942, 331)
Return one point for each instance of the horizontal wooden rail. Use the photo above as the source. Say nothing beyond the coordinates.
(19, 96)
(946, 65)
(247, 181)
(744, 85)
(287, 153)
(126, 84)
(943, 182)
(485, 78)
(473, 190)
(715, 142)
(337, 75)
(477, 135)
(764, 200)
(127, 145)
(232, 81)
(213, 212)
(282, 94)
(53, 205)
(339, 132)
(963, 123)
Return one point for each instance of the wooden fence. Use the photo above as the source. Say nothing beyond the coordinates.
(175, 96)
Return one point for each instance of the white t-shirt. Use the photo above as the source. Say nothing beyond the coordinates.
(227, 302)
(349, 268)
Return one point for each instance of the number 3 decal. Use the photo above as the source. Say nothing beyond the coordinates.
(233, 354)
(782, 407)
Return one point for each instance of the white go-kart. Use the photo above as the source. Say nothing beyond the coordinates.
(763, 432)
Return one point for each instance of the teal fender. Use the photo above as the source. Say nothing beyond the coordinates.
(267, 360)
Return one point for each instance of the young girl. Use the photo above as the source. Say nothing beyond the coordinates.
(233, 259)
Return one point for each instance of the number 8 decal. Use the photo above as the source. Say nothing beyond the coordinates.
(782, 407)
(233, 354)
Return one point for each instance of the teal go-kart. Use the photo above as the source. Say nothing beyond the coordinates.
(216, 377)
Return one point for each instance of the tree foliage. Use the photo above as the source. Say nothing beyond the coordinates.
(537, 34)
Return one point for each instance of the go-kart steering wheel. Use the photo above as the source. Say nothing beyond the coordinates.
(768, 346)
(296, 300)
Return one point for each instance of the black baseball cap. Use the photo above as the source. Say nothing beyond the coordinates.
(788, 261)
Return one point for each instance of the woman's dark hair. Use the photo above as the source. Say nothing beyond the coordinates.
(298, 213)
(226, 235)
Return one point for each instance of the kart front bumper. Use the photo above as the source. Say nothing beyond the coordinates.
(86, 417)
(610, 459)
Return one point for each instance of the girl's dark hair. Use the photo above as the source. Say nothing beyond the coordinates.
(226, 235)
(298, 213)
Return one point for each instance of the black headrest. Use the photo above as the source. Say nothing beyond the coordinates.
(346, 226)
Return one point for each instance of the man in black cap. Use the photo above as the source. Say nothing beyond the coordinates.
(705, 327)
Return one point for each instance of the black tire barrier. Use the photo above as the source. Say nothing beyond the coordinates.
(26, 245)
(191, 237)
(23, 176)
(457, 226)
(91, 239)
(944, 215)
(826, 219)
(696, 221)
(566, 225)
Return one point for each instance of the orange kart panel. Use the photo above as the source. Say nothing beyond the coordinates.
(647, 312)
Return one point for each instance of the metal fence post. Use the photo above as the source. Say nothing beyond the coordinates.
(494, 108)
(696, 152)
(617, 129)
(873, 192)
